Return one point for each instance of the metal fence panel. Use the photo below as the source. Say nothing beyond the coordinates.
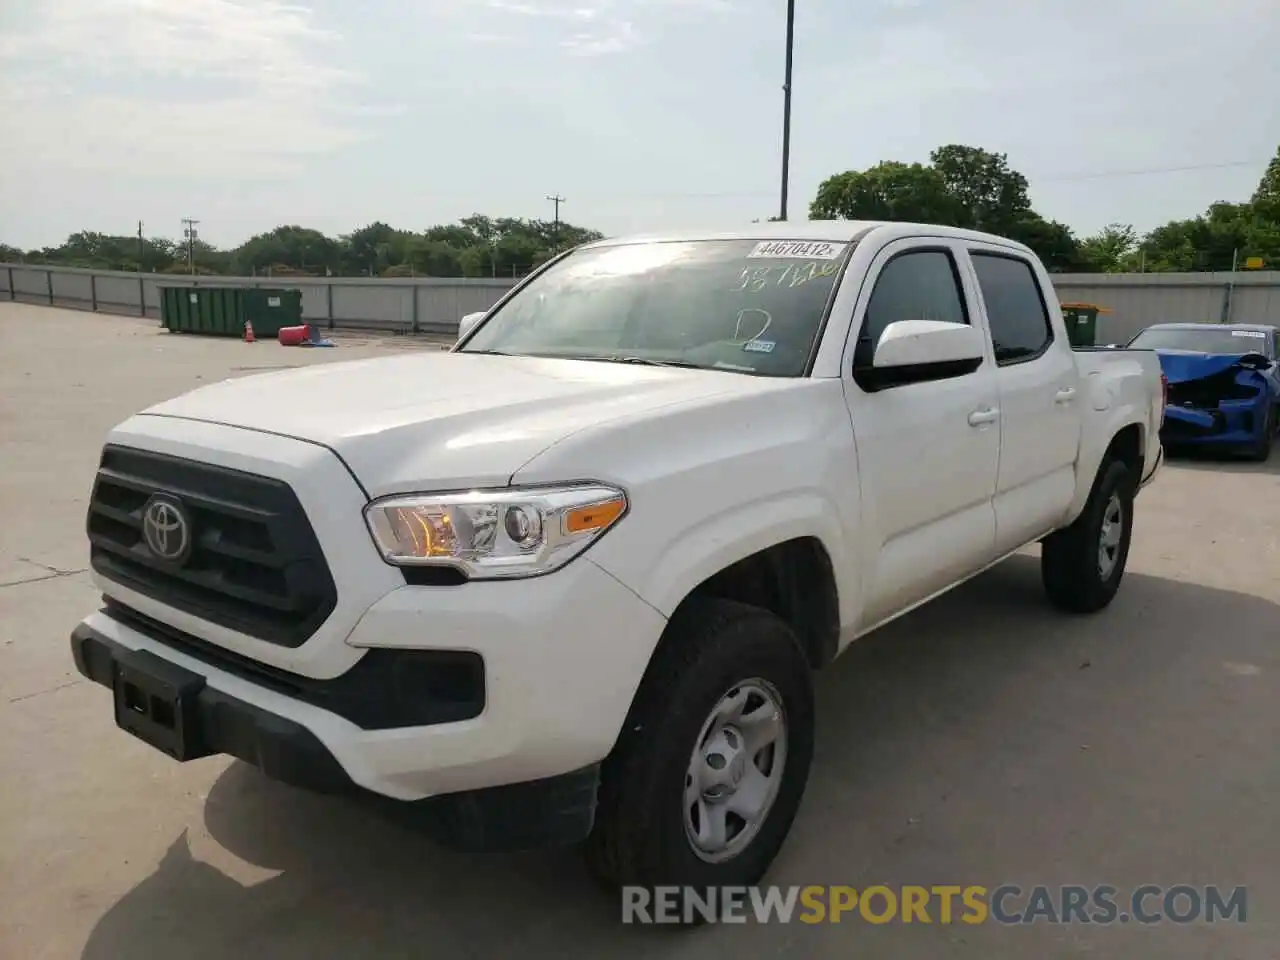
(436, 304)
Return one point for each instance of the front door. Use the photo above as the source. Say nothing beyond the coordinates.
(927, 451)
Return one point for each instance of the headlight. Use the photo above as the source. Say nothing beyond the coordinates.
(494, 533)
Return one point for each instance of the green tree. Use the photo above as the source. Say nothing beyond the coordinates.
(1226, 233)
(365, 250)
(1110, 250)
(990, 194)
(888, 191)
(1268, 193)
(298, 248)
(960, 187)
(1053, 242)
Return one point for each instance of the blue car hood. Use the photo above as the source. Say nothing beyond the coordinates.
(1181, 365)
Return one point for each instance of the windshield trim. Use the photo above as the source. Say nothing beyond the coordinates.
(819, 331)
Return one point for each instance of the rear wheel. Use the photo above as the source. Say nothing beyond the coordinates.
(1082, 565)
(709, 771)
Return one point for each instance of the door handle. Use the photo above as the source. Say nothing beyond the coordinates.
(1065, 395)
(981, 417)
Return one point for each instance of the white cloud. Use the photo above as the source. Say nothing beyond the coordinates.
(589, 28)
(195, 87)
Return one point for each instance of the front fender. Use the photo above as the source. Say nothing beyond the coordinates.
(677, 564)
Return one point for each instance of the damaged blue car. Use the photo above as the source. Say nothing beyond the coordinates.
(1223, 384)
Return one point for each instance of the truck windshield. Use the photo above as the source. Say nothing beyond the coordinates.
(745, 306)
(1205, 340)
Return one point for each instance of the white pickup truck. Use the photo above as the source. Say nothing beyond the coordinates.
(572, 579)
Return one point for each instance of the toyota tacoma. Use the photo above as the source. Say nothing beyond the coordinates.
(571, 580)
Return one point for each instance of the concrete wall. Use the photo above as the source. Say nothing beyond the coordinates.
(418, 305)
(1137, 300)
(435, 305)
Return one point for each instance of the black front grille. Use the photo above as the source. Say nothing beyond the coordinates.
(1208, 392)
(1175, 429)
(255, 565)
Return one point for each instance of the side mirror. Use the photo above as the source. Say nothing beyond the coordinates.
(913, 343)
(911, 351)
(468, 323)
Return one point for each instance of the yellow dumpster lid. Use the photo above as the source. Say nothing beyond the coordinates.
(1085, 306)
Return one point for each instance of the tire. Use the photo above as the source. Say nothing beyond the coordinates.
(1261, 451)
(712, 649)
(1072, 566)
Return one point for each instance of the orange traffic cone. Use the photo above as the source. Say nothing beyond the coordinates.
(248, 331)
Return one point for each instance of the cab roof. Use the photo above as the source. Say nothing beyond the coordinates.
(833, 231)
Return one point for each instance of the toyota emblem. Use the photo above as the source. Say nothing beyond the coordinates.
(166, 529)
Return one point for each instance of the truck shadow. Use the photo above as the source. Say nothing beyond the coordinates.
(925, 726)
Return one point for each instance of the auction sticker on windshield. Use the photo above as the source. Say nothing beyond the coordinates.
(797, 249)
(1257, 334)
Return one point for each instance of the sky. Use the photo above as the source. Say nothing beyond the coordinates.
(644, 114)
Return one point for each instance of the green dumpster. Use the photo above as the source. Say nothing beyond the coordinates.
(223, 311)
(1082, 323)
(269, 310)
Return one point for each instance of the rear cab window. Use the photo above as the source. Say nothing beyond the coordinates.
(1017, 316)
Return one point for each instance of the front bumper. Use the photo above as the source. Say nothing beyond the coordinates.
(1231, 424)
(562, 654)
(553, 811)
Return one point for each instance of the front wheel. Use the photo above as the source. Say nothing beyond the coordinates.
(1082, 565)
(709, 771)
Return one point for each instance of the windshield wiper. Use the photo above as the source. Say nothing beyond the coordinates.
(647, 361)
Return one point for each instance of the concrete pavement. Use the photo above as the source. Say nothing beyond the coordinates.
(984, 739)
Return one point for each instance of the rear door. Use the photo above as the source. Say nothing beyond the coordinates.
(1039, 390)
(927, 450)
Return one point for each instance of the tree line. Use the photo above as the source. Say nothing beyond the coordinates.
(960, 186)
(476, 246)
(970, 187)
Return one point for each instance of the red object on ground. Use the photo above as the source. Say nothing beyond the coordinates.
(294, 336)
(248, 332)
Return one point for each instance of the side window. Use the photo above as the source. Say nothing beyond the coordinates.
(1019, 321)
(923, 285)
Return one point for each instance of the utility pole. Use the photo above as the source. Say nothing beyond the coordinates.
(140, 246)
(555, 229)
(786, 110)
(189, 231)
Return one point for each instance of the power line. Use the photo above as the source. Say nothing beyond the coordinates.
(1055, 178)
(1147, 172)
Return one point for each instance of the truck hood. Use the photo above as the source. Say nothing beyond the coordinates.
(1179, 366)
(451, 420)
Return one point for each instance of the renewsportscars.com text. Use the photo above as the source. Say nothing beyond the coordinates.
(1007, 904)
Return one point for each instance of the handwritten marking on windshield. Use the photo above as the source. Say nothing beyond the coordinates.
(811, 271)
(792, 275)
(762, 315)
